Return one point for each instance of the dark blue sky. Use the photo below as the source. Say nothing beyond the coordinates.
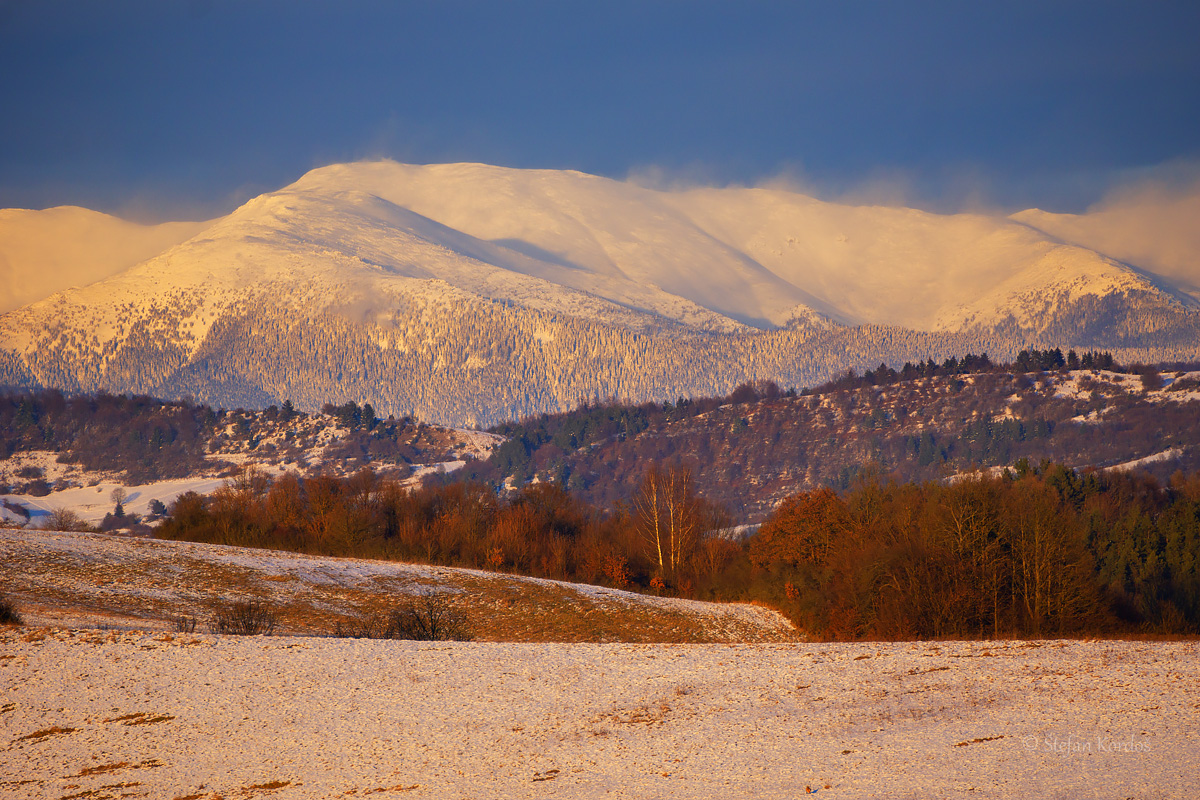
(184, 108)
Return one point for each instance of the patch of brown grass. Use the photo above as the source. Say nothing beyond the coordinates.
(151, 720)
(977, 741)
(109, 791)
(141, 718)
(46, 733)
(117, 765)
(269, 786)
(113, 767)
(642, 715)
(398, 788)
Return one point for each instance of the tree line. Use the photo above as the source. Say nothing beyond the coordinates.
(1037, 551)
(1029, 360)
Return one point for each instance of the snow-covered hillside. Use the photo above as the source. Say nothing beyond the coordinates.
(93, 580)
(711, 258)
(55, 476)
(470, 293)
(1152, 228)
(103, 698)
(757, 256)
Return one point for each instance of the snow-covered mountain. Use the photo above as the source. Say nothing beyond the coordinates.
(466, 292)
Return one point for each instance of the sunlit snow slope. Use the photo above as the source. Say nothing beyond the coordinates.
(757, 256)
(1156, 230)
(470, 293)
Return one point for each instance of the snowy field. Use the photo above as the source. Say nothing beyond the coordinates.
(107, 714)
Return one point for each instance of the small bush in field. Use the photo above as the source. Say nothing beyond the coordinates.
(65, 519)
(252, 618)
(184, 623)
(429, 617)
(8, 612)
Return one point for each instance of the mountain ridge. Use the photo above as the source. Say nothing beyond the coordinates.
(551, 288)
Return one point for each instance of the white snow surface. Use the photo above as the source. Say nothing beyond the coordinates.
(131, 714)
(566, 242)
(91, 503)
(1129, 466)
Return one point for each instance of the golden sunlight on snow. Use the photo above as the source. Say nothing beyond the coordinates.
(107, 714)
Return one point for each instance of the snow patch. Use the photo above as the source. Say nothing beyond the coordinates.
(1172, 454)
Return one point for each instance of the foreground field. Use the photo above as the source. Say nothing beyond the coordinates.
(107, 714)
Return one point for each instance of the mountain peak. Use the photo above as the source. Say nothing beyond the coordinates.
(399, 257)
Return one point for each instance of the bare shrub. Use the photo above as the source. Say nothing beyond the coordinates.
(252, 618)
(8, 612)
(65, 519)
(184, 623)
(428, 617)
(364, 626)
(1152, 380)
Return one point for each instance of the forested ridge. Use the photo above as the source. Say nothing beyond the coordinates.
(142, 439)
(923, 421)
(461, 359)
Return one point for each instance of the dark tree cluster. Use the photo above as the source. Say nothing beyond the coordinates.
(1040, 551)
(149, 439)
(352, 415)
(1033, 360)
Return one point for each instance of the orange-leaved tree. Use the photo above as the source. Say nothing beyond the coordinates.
(801, 530)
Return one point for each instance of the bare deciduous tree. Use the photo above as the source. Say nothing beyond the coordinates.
(118, 497)
(668, 515)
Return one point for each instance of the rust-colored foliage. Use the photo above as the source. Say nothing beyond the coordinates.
(802, 529)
